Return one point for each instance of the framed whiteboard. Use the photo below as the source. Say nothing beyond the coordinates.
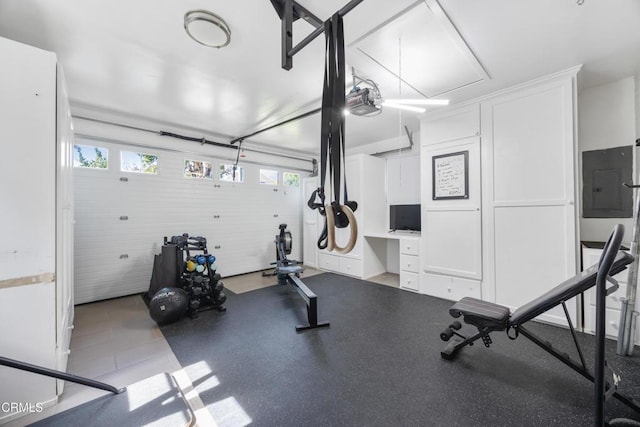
(450, 176)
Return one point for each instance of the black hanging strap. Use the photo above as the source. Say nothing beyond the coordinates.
(332, 141)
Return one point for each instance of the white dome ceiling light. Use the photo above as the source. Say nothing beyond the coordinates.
(207, 28)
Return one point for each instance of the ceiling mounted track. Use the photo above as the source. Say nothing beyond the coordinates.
(290, 11)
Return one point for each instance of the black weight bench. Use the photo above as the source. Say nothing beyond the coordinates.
(488, 317)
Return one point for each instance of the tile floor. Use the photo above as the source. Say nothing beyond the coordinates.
(116, 342)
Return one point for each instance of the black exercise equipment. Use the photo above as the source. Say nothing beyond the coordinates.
(488, 317)
(288, 272)
(603, 390)
(168, 305)
(184, 280)
(47, 372)
(337, 213)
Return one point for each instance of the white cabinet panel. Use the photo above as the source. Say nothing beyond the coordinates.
(448, 287)
(452, 243)
(350, 266)
(403, 180)
(530, 156)
(538, 232)
(451, 229)
(327, 262)
(450, 125)
(36, 252)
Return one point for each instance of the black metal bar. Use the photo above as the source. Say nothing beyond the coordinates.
(304, 42)
(306, 293)
(312, 312)
(454, 346)
(630, 402)
(598, 370)
(298, 117)
(200, 140)
(319, 30)
(277, 5)
(287, 34)
(12, 363)
(312, 303)
(302, 12)
(575, 337)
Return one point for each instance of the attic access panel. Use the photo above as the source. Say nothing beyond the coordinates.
(603, 173)
(420, 46)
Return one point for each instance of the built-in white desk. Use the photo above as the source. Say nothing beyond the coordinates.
(405, 248)
(395, 235)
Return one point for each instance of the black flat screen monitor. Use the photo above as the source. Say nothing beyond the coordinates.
(404, 217)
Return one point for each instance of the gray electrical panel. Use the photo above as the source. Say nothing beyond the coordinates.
(603, 173)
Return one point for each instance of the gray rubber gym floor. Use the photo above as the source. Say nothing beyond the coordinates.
(378, 364)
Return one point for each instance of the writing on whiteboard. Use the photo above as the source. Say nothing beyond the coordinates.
(450, 176)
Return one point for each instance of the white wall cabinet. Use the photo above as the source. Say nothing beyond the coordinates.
(515, 236)
(403, 180)
(36, 251)
(530, 241)
(451, 228)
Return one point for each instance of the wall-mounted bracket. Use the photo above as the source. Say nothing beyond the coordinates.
(290, 11)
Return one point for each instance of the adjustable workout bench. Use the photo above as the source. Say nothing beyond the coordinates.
(488, 317)
(288, 272)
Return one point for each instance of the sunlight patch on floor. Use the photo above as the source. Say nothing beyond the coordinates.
(228, 412)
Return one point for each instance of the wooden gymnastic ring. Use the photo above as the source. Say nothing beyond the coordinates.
(331, 230)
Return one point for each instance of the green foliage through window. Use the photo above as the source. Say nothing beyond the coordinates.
(85, 156)
(291, 179)
(138, 162)
(231, 173)
(197, 169)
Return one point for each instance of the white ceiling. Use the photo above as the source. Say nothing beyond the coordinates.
(134, 57)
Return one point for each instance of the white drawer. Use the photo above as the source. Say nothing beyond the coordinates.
(612, 322)
(409, 247)
(328, 262)
(350, 266)
(410, 281)
(409, 263)
(448, 287)
(613, 301)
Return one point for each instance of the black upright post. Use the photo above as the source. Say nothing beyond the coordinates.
(599, 387)
(287, 34)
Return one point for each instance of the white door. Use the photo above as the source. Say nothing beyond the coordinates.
(528, 160)
(122, 218)
(451, 222)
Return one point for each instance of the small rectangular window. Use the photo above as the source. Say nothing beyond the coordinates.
(268, 177)
(231, 173)
(197, 169)
(291, 179)
(85, 156)
(138, 162)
